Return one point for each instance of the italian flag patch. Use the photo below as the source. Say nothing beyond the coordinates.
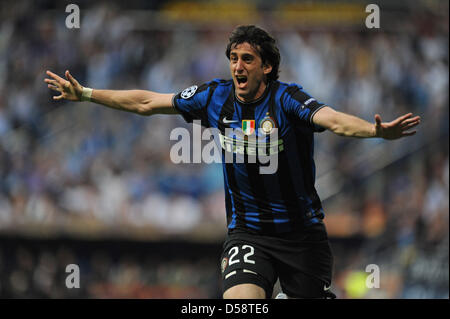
(248, 126)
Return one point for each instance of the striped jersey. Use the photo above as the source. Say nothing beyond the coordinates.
(282, 198)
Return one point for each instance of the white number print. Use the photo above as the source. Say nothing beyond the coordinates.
(235, 250)
(232, 255)
(250, 253)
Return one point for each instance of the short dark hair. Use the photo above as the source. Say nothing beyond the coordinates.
(263, 42)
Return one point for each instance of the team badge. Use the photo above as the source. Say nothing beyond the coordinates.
(189, 92)
(248, 126)
(267, 125)
(224, 264)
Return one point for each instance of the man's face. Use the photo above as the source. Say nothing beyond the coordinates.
(248, 72)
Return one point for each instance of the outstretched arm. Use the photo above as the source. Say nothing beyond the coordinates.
(348, 125)
(137, 101)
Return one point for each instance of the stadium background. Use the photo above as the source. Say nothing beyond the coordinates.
(83, 184)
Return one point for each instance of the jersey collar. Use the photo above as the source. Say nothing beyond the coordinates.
(255, 102)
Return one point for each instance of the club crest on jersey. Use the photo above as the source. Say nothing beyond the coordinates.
(267, 125)
(189, 92)
(224, 264)
(248, 126)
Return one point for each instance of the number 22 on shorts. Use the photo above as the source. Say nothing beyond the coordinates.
(235, 250)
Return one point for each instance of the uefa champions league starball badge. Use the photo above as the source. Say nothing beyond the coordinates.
(189, 92)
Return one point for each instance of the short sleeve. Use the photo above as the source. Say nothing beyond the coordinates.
(301, 106)
(192, 103)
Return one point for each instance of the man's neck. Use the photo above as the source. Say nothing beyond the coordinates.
(261, 90)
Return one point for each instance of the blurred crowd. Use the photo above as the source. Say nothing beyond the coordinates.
(106, 269)
(66, 166)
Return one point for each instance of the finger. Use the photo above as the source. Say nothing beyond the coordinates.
(378, 119)
(70, 78)
(54, 88)
(401, 118)
(56, 77)
(59, 97)
(409, 133)
(53, 82)
(411, 125)
(408, 121)
(414, 118)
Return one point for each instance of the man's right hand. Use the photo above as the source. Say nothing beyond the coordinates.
(70, 89)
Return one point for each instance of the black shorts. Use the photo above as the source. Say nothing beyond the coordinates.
(302, 261)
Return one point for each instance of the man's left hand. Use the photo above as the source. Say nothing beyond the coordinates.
(397, 128)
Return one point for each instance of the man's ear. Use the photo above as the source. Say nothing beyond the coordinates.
(267, 68)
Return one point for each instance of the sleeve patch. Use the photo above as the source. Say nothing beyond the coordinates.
(309, 101)
(189, 92)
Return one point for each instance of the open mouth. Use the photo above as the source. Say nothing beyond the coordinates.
(241, 80)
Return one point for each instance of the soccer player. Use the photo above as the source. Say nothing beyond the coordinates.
(275, 221)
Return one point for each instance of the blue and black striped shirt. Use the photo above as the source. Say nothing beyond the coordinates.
(280, 202)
